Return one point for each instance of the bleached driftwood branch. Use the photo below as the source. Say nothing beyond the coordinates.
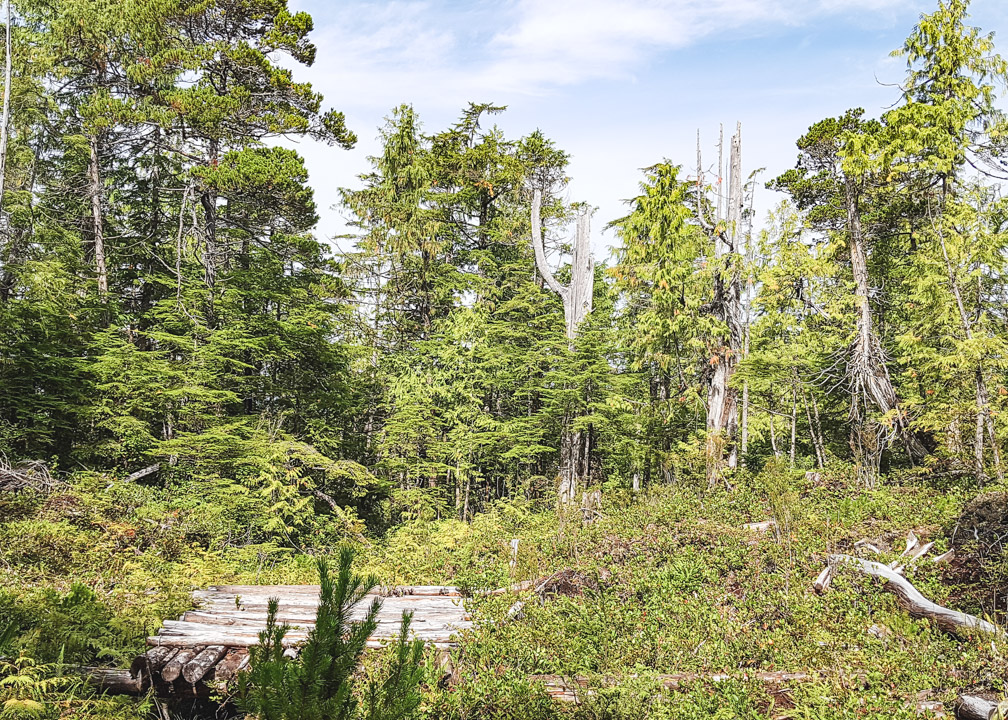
(915, 603)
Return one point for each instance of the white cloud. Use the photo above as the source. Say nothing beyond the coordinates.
(596, 75)
(436, 52)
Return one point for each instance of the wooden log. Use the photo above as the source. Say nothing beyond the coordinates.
(141, 474)
(915, 603)
(822, 582)
(224, 591)
(173, 668)
(201, 664)
(189, 642)
(944, 557)
(971, 707)
(115, 681)
(230, 665)
(151, 661)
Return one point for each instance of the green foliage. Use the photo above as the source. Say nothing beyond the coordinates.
(318, 683)
(411, 394)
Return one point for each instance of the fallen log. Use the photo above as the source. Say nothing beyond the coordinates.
(915, 603)
(142, 473)
(971, 707)
(111, 680)
(199, 666)
(173, 668)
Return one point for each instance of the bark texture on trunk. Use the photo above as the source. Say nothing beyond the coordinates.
(726, 305)
(576, 297)
(870, 383)
(95, 191)
(575, 445)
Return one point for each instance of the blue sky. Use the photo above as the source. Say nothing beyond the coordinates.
(619, 84)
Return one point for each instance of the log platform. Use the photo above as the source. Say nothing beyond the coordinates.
(207, 646)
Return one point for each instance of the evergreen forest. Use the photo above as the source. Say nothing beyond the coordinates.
(692, 478)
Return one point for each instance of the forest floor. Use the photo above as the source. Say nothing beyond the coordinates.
(668, 582)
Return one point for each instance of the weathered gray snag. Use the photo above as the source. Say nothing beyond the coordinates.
(575, 445)
(971, 707)
(576, 297)
(725, 232)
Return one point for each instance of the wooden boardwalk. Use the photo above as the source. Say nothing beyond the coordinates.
(208, 645)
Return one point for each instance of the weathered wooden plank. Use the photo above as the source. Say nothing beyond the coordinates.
(184, 627)
(188, 642)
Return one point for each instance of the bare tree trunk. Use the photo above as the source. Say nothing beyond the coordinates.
(820, 454)
(576, 297)
(773, 435)
(458, 492)
(794, 424)
(745, 351)
(208, 201)
(870, 384)
(577, 305)
(465, 507)
(726, 233)
(5, 120)
(97, 215)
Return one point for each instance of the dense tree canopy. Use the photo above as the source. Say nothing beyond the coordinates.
(165, 299)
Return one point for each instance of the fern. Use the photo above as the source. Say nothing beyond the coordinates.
(25, 685)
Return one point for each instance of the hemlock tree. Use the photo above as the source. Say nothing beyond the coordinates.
(949, 122)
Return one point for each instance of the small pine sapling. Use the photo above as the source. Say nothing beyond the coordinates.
(317, 683)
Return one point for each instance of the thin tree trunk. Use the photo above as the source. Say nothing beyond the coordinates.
(983, 417)
(745, 398)
(794, 424)
(819, 427)
(468, 488)
(773, 435)
(208, 200)
(97, 215)
(5, 120)
(812, 432)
